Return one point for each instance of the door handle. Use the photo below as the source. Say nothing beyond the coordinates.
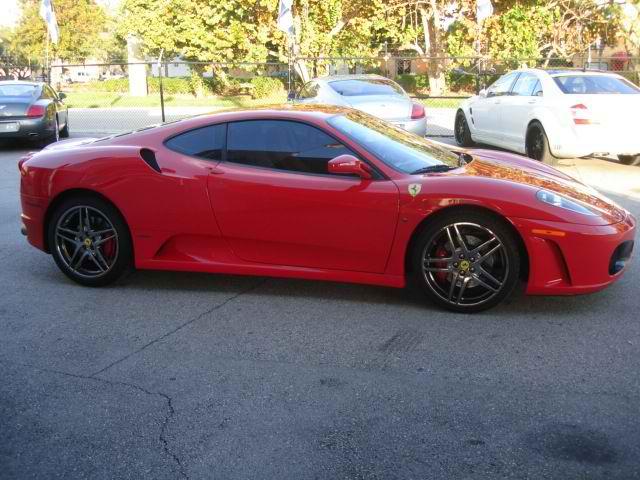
(215, 171)
(531, 102)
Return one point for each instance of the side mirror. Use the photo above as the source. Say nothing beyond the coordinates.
(62, 96)
(538, 93)
(483, 93)
(291, 96)
(349, 165)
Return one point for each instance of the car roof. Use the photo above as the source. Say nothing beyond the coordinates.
(276, 112)
(362, 76)
(555, 72)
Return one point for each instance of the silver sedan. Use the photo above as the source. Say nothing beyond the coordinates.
(373, 94)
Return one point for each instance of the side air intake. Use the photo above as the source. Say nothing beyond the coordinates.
(150, 159)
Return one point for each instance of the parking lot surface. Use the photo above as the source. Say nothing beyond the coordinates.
(177, 375)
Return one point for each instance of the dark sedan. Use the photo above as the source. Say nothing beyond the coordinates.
(33, 111)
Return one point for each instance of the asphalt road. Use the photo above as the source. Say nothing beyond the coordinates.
(171, 375)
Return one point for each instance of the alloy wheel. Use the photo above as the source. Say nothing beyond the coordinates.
(86, 242)
(465, 264)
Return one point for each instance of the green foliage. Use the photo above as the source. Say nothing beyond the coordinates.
(267, 87)
(80, 25)
(413, 83)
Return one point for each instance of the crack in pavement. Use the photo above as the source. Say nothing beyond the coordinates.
(180, 327)
(168, 400)
(165, 422)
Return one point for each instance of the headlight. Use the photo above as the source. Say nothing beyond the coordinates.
(562, 202)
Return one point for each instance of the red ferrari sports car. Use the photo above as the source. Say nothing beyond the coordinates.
(323, 193)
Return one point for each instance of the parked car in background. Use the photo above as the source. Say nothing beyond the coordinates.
(78, 76)
(32, 110)
(373, 94)
(550, 114)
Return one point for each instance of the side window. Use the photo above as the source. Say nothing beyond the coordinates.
(282, 145)
(206, 142)
(524, 85)
(502, 85)
(310, 90)
(537, 89)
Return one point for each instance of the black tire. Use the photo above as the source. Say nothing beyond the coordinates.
(461, 131)
(633, 160)
(537, 144)
(64, 133)
(477, 271)
(104, 217)
(54, 137)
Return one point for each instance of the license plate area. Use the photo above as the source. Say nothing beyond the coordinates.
(9, 127)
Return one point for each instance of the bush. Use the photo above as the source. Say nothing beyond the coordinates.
(170, 86)
(413, 83)
(115, 85)
(267, 87)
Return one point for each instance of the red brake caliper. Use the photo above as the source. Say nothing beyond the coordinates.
(441, 253)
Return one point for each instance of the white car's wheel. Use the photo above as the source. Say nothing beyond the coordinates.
(461, 130)
(537, 144)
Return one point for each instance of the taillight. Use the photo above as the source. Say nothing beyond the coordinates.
(581, 115)
(36, 111)
(417, 111)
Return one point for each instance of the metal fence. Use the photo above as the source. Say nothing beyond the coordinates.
(112, 98)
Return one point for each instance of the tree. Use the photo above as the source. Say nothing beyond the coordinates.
(80, 24)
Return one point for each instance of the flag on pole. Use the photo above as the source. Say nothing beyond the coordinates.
(484, 9)
(49, 16)
(285, 17)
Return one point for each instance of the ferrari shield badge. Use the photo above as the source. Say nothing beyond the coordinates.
(414, 189)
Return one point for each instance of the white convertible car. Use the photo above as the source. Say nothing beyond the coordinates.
(550, 114)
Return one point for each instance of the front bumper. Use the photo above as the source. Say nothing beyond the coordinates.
(29, 128)
(569, 259)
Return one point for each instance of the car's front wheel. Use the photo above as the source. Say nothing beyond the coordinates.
(90, 241)
(537, 144)
(461, 130)
(466, 261)
(629, 159)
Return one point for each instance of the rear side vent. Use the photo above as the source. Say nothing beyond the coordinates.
(150, 159)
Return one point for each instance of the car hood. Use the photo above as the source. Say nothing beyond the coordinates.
(516, 169)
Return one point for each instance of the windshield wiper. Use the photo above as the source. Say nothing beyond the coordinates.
(433, 169)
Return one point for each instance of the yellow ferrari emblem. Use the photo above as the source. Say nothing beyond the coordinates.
(87, 242)
(464, 265)
(414, 189)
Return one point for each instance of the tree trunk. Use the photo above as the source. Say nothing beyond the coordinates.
(433, 46)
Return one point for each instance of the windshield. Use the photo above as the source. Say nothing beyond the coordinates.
(594, 84)
(369, 86)
(397, 148)
(17, 90)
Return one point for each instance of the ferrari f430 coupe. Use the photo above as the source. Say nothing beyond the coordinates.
(324, 193)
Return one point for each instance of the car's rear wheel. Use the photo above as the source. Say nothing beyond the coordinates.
(53, 137)
(461, 130)
(64, 133)
(466, 261)
(90, 241)
(629, 159)
(537, 145)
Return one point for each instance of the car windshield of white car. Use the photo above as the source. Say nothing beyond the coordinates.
(17, 90)
(595, 84)
(369, 86)
(397, 148)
